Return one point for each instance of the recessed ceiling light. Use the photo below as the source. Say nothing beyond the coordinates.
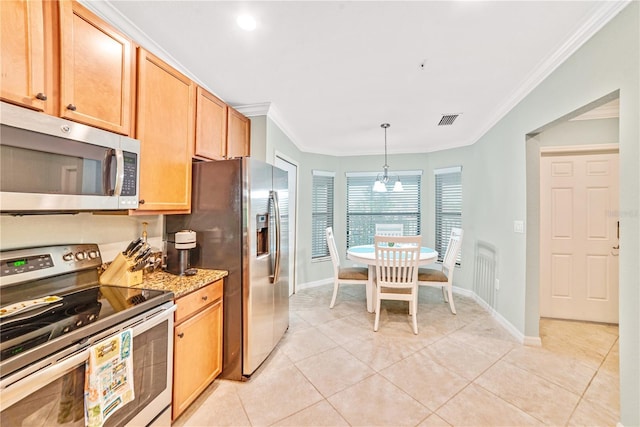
(246, 22)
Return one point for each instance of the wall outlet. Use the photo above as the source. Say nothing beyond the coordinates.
(518, 226)
(497, 284)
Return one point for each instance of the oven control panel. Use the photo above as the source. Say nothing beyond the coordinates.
(21, 265)
(31, 263)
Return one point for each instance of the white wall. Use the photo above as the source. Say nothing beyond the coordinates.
(606, 63)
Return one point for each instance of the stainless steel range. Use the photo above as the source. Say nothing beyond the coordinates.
(52, 311)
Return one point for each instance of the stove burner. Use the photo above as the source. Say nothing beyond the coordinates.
(13, 331)
(78, 309)
(28, 332)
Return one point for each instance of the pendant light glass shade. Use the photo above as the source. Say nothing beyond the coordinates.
(380, 186)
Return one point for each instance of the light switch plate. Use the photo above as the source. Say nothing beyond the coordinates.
(518, 226)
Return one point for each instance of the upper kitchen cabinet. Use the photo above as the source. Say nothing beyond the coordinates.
(22, 44)
(165, 122)
(211, 126)
(96, 70)
(59, 58)
(238, 134)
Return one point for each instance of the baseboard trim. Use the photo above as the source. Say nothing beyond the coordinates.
(532, 341)
(519, 336)
(314, 284)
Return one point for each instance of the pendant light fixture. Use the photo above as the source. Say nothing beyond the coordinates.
(380, 186)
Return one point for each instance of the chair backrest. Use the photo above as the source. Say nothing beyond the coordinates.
(397, 260)
(333, 250)
(389, 229)
(453, 249)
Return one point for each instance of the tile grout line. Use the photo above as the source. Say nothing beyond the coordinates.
(604, 358)
(478, 385)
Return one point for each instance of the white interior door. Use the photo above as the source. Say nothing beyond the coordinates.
(578, 232)
(292, 168)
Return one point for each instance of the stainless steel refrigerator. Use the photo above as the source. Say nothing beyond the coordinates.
(239, 213)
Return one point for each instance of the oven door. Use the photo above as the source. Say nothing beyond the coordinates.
(54, 395)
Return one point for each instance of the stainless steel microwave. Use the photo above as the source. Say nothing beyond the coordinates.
(48, 164)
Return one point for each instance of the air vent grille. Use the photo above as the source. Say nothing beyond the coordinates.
(448, 119)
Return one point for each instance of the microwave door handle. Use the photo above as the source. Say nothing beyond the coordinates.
(13, 392)
(276, 212)
(107, 186)
(119, 172)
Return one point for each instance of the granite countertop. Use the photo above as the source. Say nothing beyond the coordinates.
(180, 285)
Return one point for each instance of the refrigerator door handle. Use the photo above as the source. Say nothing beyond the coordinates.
(273, 196)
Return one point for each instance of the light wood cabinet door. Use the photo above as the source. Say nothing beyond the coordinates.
(238, 134)
(197, 356)
(211, 126)
(96, 70)
(22, 47)
(165, 123)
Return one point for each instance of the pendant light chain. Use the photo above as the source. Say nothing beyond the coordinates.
(386, 165)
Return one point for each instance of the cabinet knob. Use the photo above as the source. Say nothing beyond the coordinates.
(181, 334)
(204, 298)
(41, 96)
(141, 202)
(71, 107)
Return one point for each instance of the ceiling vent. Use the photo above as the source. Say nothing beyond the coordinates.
(448, 119)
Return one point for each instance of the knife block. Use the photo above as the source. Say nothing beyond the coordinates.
(118, 273)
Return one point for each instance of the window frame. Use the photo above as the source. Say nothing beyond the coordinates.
(448, 207)
(322, 212)
(360, 221)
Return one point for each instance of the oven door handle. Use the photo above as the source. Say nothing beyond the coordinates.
(14, 391)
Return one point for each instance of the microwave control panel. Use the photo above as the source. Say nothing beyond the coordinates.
(130, 182)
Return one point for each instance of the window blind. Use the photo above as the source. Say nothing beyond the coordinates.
(448, 207)
(366, 208)
(322, 212)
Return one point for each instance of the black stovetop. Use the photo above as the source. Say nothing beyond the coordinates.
(77, 307)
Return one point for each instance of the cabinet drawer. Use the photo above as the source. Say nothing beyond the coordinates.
(197, 300)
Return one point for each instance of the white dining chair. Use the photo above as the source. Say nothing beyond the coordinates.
(343, 275)
(397, 273)
(389, 229)
(444, 278)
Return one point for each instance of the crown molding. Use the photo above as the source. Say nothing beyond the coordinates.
(113, 16)
(106, 11)
(607, 11)
(254, 110)
(271, 111)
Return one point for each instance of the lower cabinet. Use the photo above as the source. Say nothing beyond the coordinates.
(197, 341)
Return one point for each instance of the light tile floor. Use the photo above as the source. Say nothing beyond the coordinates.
(331, 369)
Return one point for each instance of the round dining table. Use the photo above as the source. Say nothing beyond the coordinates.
(365, 254)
